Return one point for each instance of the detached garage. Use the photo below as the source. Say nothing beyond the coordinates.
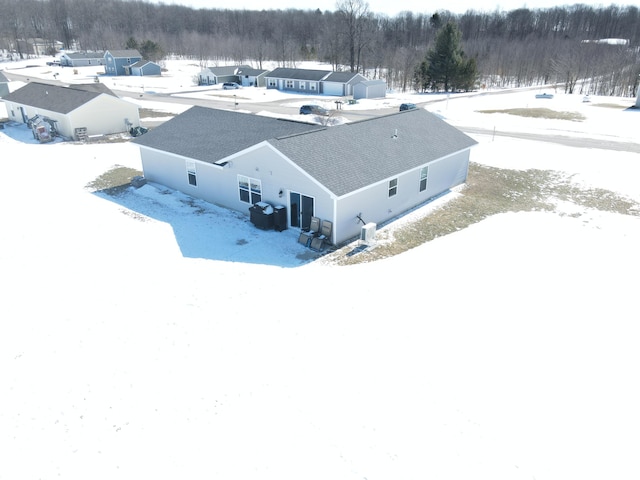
(370, 89)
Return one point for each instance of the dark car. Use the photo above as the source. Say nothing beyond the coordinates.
(230, 85)
(313, 110)
(407, 106)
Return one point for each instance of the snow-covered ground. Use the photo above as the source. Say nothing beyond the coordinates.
(149, 337)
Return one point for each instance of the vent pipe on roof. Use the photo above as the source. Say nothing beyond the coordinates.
(395, 134)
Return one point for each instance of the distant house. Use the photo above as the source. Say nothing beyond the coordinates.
(251, 77)
(39, 46)
(341, 83)
(90, 109)
(4, 85)
(118, 62)
(144, 68)
(370, 89)
(362, 172)
(82, 59)
(324, 82)
(219, 75)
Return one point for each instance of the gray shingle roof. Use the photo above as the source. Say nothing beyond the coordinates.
(298, 74)
(343, 158)
(85, 55)
(342, 77)
(3, 79)
(124, 53)
(210, 135)
(57, 98)
(225, 70)
(349, 157)
(252, 72)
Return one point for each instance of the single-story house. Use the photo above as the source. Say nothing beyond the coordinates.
(82, 59)
(144, 68)
(351, 175)
(39, 46)
(76, 110)
(117, 61)
(370, 89)
(219, 75)
(251, 77)
(324, 82)
(4, 85)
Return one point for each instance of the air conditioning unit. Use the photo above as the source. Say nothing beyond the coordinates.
(368, 233)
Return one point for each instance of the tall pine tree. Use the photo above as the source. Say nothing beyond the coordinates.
(445, 66)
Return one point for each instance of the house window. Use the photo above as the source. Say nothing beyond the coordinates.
(302, 86)
(191, 173)
(312, 86)
(288, 83)
(250, 189)
(393, 187)
(424, 172)
(272, 82)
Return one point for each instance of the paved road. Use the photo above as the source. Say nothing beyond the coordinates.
(281, 107)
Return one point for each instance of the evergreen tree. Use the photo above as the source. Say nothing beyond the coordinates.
(446, 66)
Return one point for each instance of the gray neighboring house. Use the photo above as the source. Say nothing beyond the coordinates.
(370, 89)
(118, 62)
(4, 85)
(251, 77)
(363, 172)
(82, 59)
(218, 75)
(76, 110)
(145, 68)
(323, 82)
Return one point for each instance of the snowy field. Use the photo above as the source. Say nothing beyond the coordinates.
(151, 337)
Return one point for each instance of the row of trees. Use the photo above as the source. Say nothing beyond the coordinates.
(521, 47)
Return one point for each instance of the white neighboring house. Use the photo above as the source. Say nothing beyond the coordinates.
(90, 109)
(351, 175)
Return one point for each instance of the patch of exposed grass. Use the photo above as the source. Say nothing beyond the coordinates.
(150, 113)
(490, 191)
(539, 113)
(609, 105)
(114, 181)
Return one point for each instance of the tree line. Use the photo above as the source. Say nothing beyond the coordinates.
(522, 47)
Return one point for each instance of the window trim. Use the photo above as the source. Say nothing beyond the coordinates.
(393, 187)
(424, 177)
(192, 174)
(251, 188)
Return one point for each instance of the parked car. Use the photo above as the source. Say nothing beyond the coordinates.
(230, 85)
(313, 110)
(407, 106)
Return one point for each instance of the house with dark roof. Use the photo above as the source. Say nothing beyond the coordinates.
(241, 74)
(118, 62)
(363, 172)
(75, 110)
(82, 59)
(145, 68)
(323, 82)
